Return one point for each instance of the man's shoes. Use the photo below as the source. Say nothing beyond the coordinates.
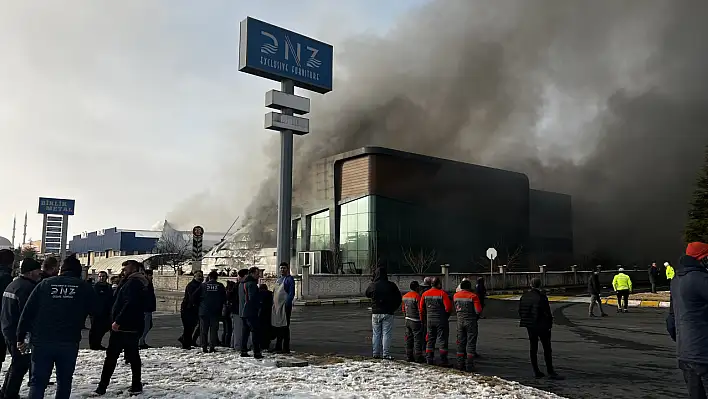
(538, 374)
(626, 311)
(212, 350)
(556, 377)
(100, 391)
(257, 355)
(604, 315)
(245, 354)
(476, 355)
(377, 356)
(619, 310)
(591, 315)
(136, 389)
(205, 350)
(389, 357)
(144, 346)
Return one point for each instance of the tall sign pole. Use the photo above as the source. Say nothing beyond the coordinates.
(55, 224)
(294, 60)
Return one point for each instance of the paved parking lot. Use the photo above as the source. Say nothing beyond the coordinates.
(621, 356)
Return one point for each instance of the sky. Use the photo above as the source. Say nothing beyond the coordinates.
(127, 106)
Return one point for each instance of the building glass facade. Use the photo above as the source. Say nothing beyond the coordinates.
(357, 232)
(320, 231)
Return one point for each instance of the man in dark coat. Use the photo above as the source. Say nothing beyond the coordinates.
(535, 314)
(210, 308)
(653, 277)
(265, 315)
(385, 298)
(688, 317)
(7, 259)
(13, 302)
(101, 321)
(50, 267)
(249, 310)
(150, 308)
(128, 315)
(52, 319)
(226, 314)
(594, 289)
(189, 310)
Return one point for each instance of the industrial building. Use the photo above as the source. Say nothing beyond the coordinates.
(378, 206)
(94, 246)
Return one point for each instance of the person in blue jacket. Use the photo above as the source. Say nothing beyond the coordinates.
(687, 322)
(283, 298)
(249, 310)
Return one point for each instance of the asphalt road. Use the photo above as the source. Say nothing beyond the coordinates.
(622, 356)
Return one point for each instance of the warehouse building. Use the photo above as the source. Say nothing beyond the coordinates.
(378, 206)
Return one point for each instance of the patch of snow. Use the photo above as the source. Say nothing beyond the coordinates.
(175, 373)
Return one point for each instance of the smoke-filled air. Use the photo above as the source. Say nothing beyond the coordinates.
(604, 100)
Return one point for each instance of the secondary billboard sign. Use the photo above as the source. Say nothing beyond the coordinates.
(279, 54)
(56, 206)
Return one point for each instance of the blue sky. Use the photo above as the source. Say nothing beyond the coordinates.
(132, 107)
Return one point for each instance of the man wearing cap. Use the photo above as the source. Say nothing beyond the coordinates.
(687, 322)
(13, 301)
(53, 318)
(670, 272)
(623, 285)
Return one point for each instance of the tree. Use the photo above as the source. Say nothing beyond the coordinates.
(419, 261)
(697, 225)
(174, 248)
(28, 251)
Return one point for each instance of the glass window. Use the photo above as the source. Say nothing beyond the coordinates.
(362, 222)
(362, 205)
(351, 224)
(362, 241)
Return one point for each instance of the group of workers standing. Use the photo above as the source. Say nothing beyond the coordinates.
(44, 310)
(252, 316)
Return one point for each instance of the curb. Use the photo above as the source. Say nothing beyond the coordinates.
(331, 302)
(635, 303)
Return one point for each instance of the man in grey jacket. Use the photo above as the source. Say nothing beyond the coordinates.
(13, 302)
(687, 322)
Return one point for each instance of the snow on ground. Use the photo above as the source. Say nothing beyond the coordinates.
(174, 373)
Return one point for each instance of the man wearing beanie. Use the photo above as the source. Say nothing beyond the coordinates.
(53, 317)
(687, 322)
(7, 258)
(13, 301)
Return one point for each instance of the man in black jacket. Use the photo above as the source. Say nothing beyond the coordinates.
(7, 259)
(13, 301)
(210, 308)
(249, 309)
(101, 320)
(189, 310)
(150, 307)
(128, 316)
(385, 299)
(535, 314)
(54, 316)
(594, 289)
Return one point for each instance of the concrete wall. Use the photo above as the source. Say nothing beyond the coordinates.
(316, 286)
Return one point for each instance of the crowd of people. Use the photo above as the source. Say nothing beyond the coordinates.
(44, 310)
(250, 315)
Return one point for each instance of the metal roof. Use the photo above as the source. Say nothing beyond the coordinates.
(115, 263)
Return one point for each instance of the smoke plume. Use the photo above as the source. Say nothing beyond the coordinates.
(604, 100)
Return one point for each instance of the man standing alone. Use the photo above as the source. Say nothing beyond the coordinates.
(535, 314)
(249, 310)
(623, 285)
(385, 299)
(594, 289)
(128, 316)
(13, 302)
(54, 316)
(283, 297)
(653, 277)
(101, 320)
(212, 303)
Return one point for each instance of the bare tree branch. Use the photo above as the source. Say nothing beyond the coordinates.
(174, 248)
(419, 261)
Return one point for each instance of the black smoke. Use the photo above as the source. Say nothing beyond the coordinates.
(604, 100)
